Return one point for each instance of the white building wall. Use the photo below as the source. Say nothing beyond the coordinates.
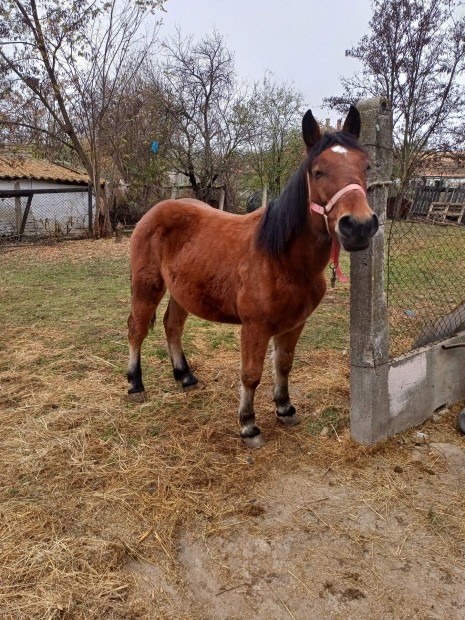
(59, 214)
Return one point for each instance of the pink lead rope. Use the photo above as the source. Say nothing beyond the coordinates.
(334, 264)
(335, 246)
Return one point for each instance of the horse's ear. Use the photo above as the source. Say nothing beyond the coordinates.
(353, 124)
(310, 129)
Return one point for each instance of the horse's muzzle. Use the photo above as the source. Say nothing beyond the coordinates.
(354, 234)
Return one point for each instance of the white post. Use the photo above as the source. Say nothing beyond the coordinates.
(222, 195)
(17, 209)
(264, 195)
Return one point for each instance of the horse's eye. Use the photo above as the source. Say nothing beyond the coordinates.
(318, 174)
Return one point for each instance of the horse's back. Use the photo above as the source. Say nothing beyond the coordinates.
(198, 252)
(193, 213)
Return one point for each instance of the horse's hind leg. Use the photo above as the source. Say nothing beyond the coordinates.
(253, 351)
(283, 357)
(142, 317)
(173, 321)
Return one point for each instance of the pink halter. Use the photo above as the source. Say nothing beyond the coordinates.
(336, 246)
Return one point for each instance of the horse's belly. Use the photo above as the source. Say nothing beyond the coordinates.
(218, 316)
(213, 312)
(205, 304)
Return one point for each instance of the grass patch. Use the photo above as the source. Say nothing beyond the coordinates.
(333, 419)
(425, 277)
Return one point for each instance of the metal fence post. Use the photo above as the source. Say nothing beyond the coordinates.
(18, 214)
(89, 204)
(369, 327)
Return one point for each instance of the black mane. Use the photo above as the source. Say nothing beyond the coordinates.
(286, 216)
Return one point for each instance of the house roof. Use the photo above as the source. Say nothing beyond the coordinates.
(450, 165)
(17, 167)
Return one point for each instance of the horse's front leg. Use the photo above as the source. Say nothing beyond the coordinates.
(253, 350)
(283, 357)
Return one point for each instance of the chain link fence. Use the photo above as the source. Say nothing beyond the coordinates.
(425, 266)
(45, 214)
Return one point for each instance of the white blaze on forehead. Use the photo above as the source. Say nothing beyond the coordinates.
(340, 149)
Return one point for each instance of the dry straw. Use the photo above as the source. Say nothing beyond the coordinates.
(92, 486)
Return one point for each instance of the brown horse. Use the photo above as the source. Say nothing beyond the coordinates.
(263, 270)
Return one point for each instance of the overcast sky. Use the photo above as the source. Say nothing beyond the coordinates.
(301, 41)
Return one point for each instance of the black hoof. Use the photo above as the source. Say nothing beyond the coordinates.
(285, 414)
(189, 382)
(252, 437)
(288, 420)
(137, 397)
(461, 421)
(253, 442)
(285, 411)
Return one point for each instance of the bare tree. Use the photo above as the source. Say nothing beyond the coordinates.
(209, 117)
(275, 145)
(414, 56)
(137, 119)
(73, 57)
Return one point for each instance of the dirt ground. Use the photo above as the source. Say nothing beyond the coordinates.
(116, 511)
(377, 541)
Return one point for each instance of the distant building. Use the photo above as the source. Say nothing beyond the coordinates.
(443, 168)
(49, 212)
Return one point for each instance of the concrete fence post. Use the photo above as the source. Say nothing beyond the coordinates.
(369, 326)
(264, 195)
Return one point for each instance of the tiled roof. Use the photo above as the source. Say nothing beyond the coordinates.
(456, 173)
(443, 165)
(38, 169)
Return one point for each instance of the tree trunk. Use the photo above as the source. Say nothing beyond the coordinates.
(102, 223)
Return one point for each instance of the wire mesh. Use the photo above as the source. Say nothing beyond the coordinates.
(425, 268)
(57, 215)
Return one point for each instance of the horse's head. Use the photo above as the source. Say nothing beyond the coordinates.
(336, 174)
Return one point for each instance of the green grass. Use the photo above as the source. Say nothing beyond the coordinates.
(86, 303)
(424, 277)
(335, 419)
(423, 257)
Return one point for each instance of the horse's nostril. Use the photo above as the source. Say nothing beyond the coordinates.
(347, 225)
(350, 227)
